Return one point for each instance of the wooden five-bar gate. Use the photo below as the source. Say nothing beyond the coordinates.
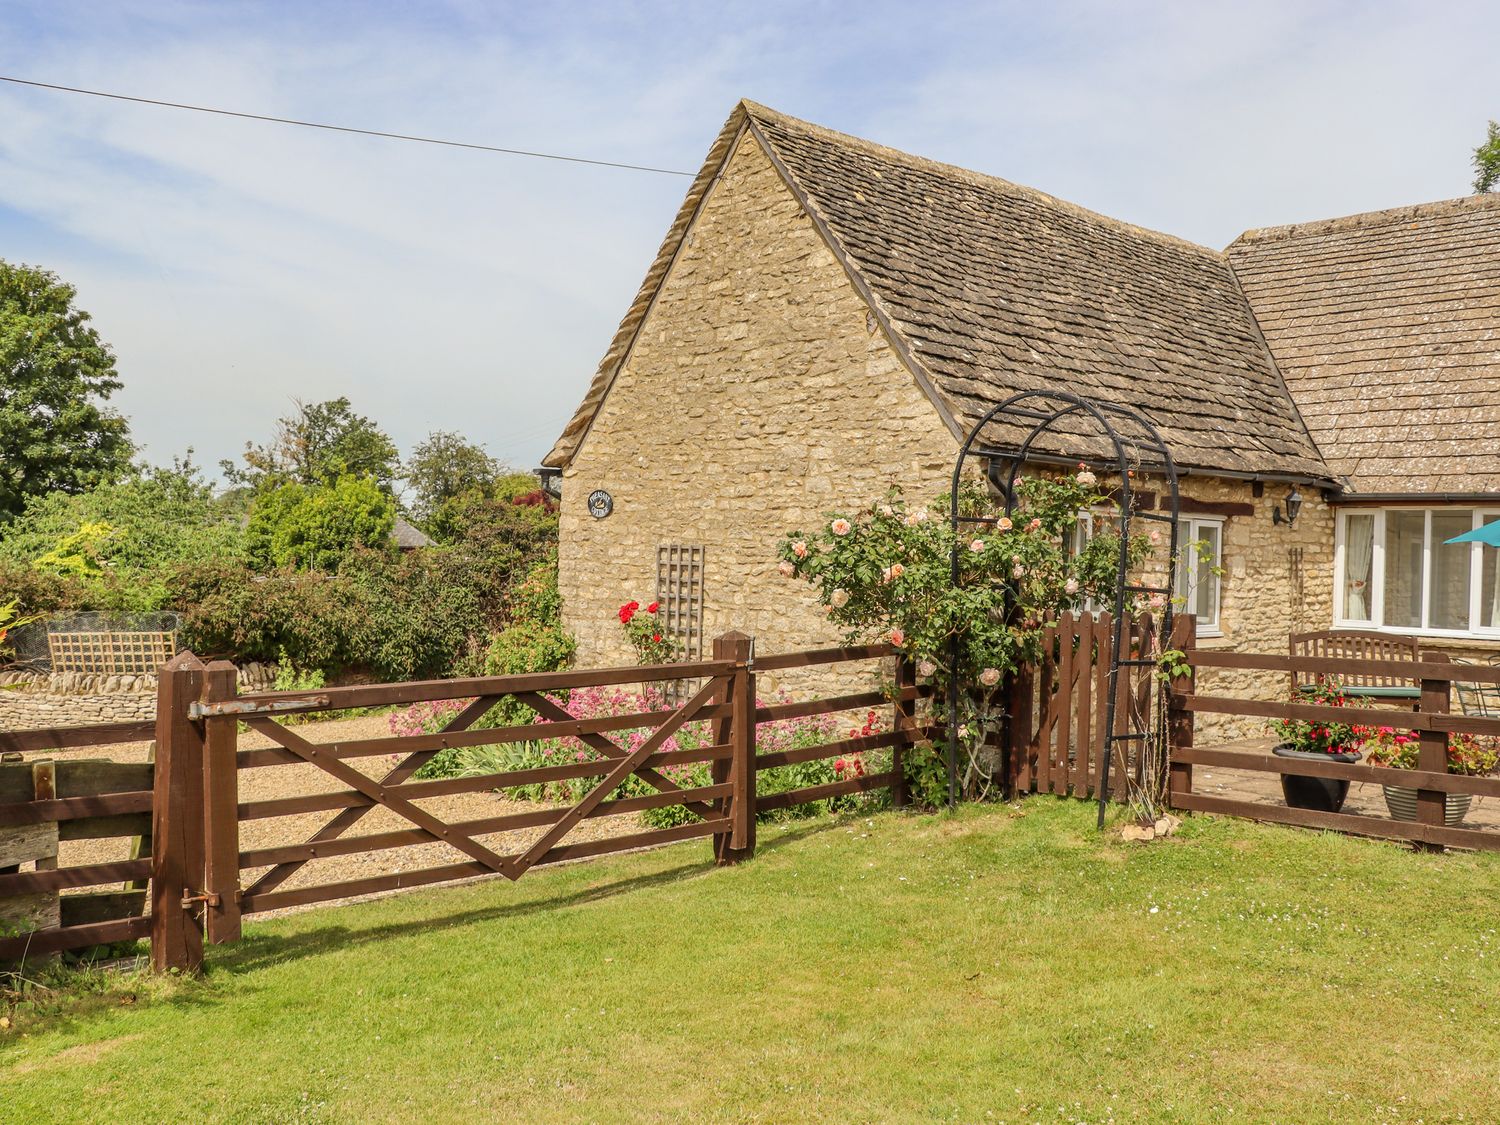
(192, 796)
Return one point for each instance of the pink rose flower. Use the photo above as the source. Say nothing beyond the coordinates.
(1070, 586)
(1035, 524)
(976, 546)
(840, 526)
(839, 599)
(990, 677)
(1018, 571)
(799, 549)
(925, 668)
(785, 569)
(898, 638)
(1003, 523)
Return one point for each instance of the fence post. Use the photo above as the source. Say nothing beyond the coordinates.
(221, 817)
(1432, 751)
(176, 816)
(903, 721)
(1019, 695)
(739, 731)
(1183, 638)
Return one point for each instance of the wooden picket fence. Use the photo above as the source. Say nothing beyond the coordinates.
(1059, 709)
(191, 794)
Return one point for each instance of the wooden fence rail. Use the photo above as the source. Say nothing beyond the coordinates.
(45, 803)
(190, 806)
(1432, 720)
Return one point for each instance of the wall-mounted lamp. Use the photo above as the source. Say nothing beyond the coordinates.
(1293, 505)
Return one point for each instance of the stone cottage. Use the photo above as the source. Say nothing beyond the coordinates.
(827, 317)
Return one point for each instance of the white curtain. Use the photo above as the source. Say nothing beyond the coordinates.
(1494, 620)
(1359, 543)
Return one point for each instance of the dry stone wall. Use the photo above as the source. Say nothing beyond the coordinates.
(29, 700)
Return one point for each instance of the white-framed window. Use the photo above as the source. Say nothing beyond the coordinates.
(1395, 570)
(1200, 560)
(1195, 583)
(1090, 523)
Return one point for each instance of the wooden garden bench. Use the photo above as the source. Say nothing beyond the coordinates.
(1353, 645)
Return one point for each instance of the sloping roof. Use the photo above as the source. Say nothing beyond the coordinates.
(407, 537)
(988, 288)
(1387, 329)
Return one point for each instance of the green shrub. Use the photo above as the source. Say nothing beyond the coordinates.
(36, 592)
(120, 541)
(420, 613)
(229, 611)
(313, 527)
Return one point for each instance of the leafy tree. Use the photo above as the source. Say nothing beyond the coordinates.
(1487, 161)
(319, 444)
(55, 436)
(501, 512)
(121, 539)
(313, 527)
(447, 465)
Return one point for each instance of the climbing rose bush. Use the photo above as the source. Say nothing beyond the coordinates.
(885, 573)
(645, 631)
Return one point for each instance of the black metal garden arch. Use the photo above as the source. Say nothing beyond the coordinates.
(1130, 444)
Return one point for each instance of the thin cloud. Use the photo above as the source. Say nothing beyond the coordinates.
(235, 265)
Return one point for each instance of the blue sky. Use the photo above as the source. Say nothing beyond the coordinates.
(236, 265)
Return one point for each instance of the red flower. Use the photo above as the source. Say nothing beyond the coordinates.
(627, 611)
(653, 607)
(656, 637)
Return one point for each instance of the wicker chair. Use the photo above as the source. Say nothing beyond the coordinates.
(1477, 699)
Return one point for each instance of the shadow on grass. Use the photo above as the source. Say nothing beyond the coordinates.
(76, 996)
(260, 949)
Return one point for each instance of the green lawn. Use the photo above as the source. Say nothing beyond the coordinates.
(997, 965)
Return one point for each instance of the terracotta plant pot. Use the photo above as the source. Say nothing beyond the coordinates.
(1303, 791)
(1402, 803)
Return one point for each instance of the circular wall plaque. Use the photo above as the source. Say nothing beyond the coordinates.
(601, 503)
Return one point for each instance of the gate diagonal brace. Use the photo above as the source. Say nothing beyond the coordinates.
(550, 709)
(346, 819)
(517, 866)
(380, 794)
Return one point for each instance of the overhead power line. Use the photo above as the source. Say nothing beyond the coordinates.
(343, 128)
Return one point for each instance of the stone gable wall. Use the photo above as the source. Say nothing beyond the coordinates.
(759, 396)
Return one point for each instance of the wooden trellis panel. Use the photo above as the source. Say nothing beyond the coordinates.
(110, 653)
(679, 589)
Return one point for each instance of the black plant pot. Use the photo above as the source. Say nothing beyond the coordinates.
(1302, 791)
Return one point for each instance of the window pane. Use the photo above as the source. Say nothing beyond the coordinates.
(1206, 601)
(1359, 556)
(1450, 570)
(1403, 568)
(1489, 583)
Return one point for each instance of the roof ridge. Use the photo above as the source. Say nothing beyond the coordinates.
(1405, 212)
(978, 179)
